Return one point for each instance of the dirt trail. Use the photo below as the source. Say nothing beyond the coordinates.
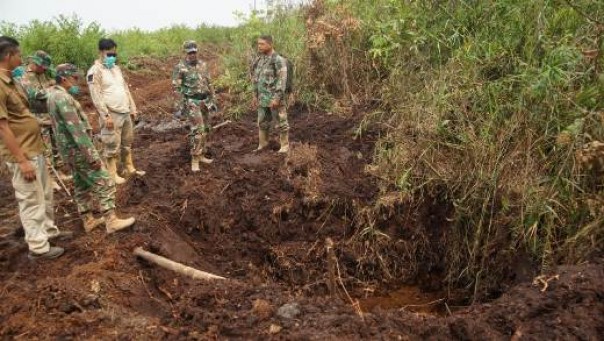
(260, 220)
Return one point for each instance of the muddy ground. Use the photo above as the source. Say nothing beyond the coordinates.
(260, 220)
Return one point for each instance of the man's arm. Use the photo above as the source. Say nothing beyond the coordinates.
(133, 110)
(253, 76)
(210, 102)
(281, 81)
(176, 79)
(94, 80)
(10, 141)
(8, 138)
(62, 110)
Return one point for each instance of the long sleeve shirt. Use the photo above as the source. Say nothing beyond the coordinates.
(109, 91)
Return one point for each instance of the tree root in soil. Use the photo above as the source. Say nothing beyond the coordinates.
(175, 266)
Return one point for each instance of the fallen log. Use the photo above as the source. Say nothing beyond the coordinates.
(174, 266)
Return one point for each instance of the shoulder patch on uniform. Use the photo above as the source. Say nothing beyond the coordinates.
(90, 78)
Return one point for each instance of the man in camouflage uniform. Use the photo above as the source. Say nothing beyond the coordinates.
(74, 138)
(269, 79)
(36, 80)
(111, 97)
(191, 79)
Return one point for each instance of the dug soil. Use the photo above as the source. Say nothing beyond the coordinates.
(261, 220)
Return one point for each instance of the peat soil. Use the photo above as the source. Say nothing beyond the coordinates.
(261, 220)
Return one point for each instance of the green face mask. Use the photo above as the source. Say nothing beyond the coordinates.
(18, 72)
(74, 90)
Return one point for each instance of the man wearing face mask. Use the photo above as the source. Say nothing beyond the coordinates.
(21, 147)
(74, 137)
(113, 101)
(191, 79)
(36, 80)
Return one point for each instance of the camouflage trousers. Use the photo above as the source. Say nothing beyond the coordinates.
(90, 185)
(119, 138)
(196, 112)
(266, 115)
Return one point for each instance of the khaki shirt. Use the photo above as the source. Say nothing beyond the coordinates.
(109, 91)
(25, 127)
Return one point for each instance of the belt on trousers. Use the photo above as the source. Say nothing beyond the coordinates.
(200, 96)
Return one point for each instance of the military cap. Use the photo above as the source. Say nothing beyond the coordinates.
(41, 58)
(189, 46)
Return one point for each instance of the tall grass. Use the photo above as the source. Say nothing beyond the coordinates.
(475, 95)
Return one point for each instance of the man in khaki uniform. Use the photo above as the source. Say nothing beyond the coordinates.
(116, 108)
(22, 147)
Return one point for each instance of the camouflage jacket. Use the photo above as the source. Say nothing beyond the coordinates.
(36, 86)
(192, 80)
(71, 127)
(269, 78)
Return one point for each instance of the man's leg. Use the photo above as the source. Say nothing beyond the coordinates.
(49, 212)
(111, 143)
(198, 134)
(264, 125)
(126, 148)
(82, 196)
(104, 191)
(32, 208)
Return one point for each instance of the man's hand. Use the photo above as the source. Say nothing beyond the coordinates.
(255, 103)
(28, 171)
(133, 115)
(109, 122)
(45, 122)
(275, 103)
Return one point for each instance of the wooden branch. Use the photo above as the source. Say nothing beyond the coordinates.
(221, 124)
(174, 266)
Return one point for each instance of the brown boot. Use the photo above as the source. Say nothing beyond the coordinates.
(262, 139)
(130, 170)
(112, 169)
(284, 140)
(114, 224)
(90, 222)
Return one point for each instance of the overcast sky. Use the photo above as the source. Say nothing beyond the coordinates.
(122, 14)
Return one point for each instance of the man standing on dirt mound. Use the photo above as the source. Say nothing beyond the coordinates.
(191, 79)
(22, 148)
(35, 81)
(269, 79)
(74, 138)
(113, 101)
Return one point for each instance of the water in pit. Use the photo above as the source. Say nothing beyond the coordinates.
(409, 298)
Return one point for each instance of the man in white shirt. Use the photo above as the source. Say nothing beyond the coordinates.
(113, 101)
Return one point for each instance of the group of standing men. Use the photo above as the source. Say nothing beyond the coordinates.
(191, 81)
(41, 119)
(33, 102)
